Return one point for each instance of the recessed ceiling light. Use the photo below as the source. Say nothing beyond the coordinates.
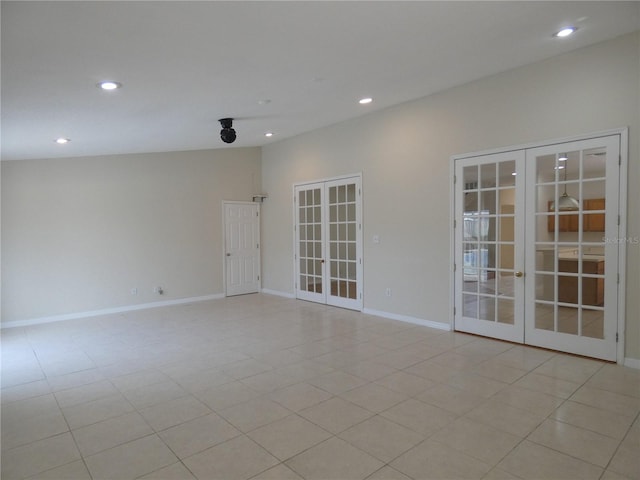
(268, 134)
(364, 101)
(559, 167)
(514, 174)
(109, 85)
(563, 157)
(62, 140)
(565, 32)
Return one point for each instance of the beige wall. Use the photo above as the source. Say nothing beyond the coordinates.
(79, 233)
(404, 156)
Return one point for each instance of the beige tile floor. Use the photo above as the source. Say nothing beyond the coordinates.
(261, 387)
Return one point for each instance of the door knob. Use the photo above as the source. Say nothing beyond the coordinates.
(519, 274)
(228, 254)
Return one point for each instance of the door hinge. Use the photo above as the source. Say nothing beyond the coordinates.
(616, 337)
(454, 179)
(360, 295)
(454, 267)
(257, 214)
(360, 226)
(454, 311)
(618, 220)
(619, 159)
(618, 279)
(359, 192)
(360, 261)
(257, 245)
(258, 277)
(455, 224)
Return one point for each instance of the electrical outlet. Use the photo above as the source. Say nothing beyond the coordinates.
(134, 291)
(387, 292)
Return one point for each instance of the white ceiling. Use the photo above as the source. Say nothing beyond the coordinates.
(184, 65)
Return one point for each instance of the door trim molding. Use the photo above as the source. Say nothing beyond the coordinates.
(327, 179)
(543, 143)
(623, 132)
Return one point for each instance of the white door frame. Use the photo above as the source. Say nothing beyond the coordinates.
(621, 240)
(225, 250)
(359, 303)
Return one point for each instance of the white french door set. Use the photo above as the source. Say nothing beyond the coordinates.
(328, 242)
(241, 247)
(537, 256)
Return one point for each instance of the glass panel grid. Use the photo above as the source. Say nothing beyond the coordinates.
(310, 240)
(488, 241)
(567, 277)
(342, 241)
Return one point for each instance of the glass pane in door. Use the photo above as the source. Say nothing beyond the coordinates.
(569, 263)
(342, 241)
(310, 240)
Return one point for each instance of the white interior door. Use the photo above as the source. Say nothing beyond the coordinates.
(344, 243)
(489, 240)
(242, 247)
(572, 209)
(328, 232)
(535, 260)
(310, 234)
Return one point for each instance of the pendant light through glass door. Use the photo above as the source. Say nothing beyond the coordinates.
(566, 203)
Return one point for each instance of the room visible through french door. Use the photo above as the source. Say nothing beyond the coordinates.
(328, 239)
(534, 256)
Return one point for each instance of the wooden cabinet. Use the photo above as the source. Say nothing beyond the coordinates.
(592, 288)
(592, 222)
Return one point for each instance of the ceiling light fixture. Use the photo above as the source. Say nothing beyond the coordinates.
(109, 85)
(565, 203)
(62, 140)
(565, 32)
(563, 157)
(268, 134)
(364, 101)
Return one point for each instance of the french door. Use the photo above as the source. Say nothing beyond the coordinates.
(328, 238)
(535, 261)
(490, 245)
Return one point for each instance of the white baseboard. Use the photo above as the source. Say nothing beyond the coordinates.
(108, 311)
(408, 319)
(277, 293)
(632, 363)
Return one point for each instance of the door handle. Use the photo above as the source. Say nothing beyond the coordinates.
(228, 254)
(519, 274)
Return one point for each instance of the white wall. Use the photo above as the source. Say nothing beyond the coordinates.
(79, 233)
(404, 155)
